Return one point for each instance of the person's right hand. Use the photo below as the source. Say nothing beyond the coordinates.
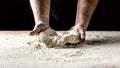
(38, 28)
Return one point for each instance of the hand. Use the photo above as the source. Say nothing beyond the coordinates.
(82, 30)
(38, 28)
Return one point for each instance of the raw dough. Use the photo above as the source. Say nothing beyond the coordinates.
(51, 39)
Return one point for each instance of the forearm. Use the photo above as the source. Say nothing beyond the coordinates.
(85, 9)
(81, 11)
(40, 10)
(35, 5)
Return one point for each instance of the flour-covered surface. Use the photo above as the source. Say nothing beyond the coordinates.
(19, 50)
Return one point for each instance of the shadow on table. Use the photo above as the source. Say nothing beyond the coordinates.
(105, 40)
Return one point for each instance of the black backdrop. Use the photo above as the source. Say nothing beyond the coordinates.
(17, 15)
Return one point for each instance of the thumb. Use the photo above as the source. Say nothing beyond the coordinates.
(82, 35)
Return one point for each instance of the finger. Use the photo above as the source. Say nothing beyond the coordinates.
(33, 33)
(82, 36)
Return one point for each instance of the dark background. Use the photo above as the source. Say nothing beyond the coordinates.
(17, 15)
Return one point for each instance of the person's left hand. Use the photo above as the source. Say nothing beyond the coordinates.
(82, 31)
